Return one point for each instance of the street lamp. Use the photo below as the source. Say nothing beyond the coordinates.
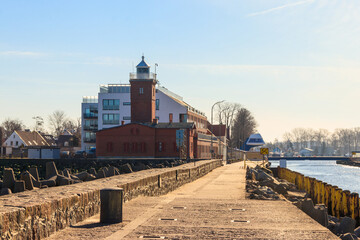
(212, 108)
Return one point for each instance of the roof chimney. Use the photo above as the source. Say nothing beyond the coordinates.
(155, 121)
(122, 122)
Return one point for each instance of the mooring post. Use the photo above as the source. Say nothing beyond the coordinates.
(111, 206)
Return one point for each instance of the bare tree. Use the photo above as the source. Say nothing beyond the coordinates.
(39, 123)
(73, 126)
(11, 125)
(226, 112)
(244, 125)
(56, 122)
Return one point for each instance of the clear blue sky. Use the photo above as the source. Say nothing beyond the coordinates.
(291, 63)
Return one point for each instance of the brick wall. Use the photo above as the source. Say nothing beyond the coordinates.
(37, 214)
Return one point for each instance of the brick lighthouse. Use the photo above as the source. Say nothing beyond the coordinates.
(142, 94)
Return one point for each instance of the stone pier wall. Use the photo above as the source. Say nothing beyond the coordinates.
(37, 214)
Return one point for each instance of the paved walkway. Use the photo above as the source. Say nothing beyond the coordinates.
(213, 207)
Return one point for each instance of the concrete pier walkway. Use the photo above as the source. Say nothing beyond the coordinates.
(212, 207)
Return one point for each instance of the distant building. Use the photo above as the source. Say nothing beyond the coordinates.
(25, 139)
(306, 152)
(115, 104)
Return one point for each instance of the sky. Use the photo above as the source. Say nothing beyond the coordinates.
(291, 63)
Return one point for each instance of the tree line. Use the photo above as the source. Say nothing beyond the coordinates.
(239, 120)
(323, 142)
(56, 123)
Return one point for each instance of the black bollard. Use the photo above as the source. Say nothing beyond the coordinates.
(111, 205)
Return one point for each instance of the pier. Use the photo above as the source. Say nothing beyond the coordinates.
(212, 207)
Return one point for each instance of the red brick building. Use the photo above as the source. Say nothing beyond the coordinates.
(148, 140)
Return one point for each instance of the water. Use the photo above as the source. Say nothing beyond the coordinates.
(345, 177)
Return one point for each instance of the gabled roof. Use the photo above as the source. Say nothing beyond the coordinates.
(32, 138)
(143, 64)
(49, 139)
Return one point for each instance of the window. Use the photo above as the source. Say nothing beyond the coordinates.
(134, 147)
(111, 104)
(17, 143)
(141, 90)
(126, 147)
(126, 103)
(157, 104)
(11, 143)
(111, 119)
(143, 147)
(109, 147)
(183, 117)
(91, 112)
(160, 146)
(126, 118)
(170, 117)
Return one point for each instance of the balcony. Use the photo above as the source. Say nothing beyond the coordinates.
(90, 128)
(90, 115)
(90, 140)
(111, 122)
(134, 76)
(90, 99)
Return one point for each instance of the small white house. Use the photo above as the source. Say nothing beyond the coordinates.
(24, 139)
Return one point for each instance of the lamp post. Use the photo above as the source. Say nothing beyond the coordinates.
(212, 108)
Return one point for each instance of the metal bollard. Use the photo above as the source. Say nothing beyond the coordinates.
(111, 205)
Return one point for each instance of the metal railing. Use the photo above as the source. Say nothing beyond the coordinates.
(143, 76)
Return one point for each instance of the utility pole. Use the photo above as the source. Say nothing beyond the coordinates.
(212, 108)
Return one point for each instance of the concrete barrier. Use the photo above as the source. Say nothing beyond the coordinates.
(38, 213)
(340, 203)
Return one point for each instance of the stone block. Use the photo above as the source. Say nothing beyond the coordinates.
(51, 170)
(110, 171)
(34, 172)
(93, 171)
(82, 175)
(321, 214)
(62, 180)
(90, 177)
(139, 167)
(125, 168)
(347, 225)
(101, 174)
(8, 178)
(73, 177)
(5, 191)
(66, 173)
(19, 186)
(28, 179)
(49, 182)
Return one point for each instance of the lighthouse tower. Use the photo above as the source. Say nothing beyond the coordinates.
(142, 93)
